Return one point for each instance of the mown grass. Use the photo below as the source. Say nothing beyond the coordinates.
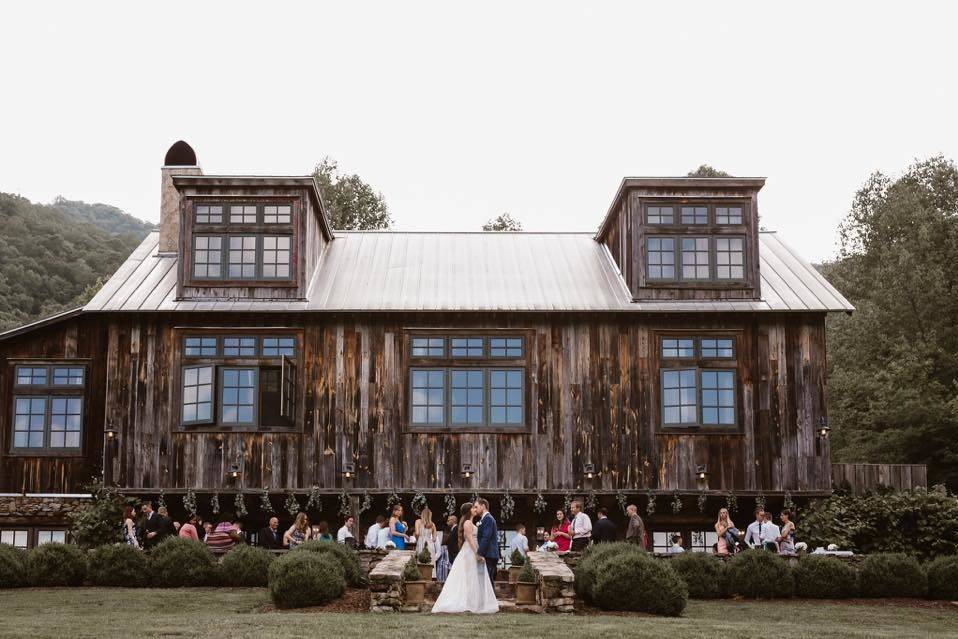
(240, 612)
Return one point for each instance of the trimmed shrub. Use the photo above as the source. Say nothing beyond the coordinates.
(637, 582)
(12, 569)
(116, 565)
(701, 572)
(245, 566)
(300, 579)
(424, 557)
(759, 574)
(411, 572)
(516, 558)
(943, 578)
(56, 564)
(527, 574)
(177, 562)
(892, 575)
(824, 577)
(589, 565)
(347, 558)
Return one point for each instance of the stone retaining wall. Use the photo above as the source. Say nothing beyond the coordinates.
(386, 584)
(556, 582)
(38, 511)
(572, 558)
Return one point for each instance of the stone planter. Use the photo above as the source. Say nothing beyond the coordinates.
(513, 573)
(415, 592)
(426, 571)
(526, 593)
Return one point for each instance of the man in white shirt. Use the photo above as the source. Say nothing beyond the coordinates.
(372, 535)
(581, 528)
(676, 547)
(770, 533)
(753, 534)
(520, 542)
(383, 538)
(346, 532)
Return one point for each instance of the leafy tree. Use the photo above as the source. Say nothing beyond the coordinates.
(98, 522)
(893, 364)
(706, 170)
(352, 203)
(504, 222)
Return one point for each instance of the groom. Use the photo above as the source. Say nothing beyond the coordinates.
(487, 539)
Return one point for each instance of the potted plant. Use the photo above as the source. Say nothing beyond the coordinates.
(414, 585)
(515, 560)
(425, 564)
(526, 584)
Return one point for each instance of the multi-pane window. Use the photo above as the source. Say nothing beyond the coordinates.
(242, 214)
(659, 215)
(276, 255)
(695, 215)
(697, 388)
(207, 214)
(16, 538)
(242, 257)
(48, 407)
(277, 214)
(238, 381)
(207, 256)
(467, 381)
(660, 252)
(51, 537)
(692, 540)
(730, 258)
(721, 214)
(695, 258)
(728, 214)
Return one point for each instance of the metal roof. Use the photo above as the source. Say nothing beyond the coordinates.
(372, 271)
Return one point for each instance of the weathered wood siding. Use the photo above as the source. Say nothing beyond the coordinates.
(593, 394)
(861, 478)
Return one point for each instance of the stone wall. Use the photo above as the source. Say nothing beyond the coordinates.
(556, 582)
(386, 584)
(27, 510)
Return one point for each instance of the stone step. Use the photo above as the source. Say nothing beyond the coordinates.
(504, 590)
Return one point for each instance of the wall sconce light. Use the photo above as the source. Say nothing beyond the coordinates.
(233, 472)
(702, 476)
(823, 428)
(111, 434)
(589, 470)
(349, 470)
(467, 471)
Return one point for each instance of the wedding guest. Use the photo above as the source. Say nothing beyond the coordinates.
(322, 532)
(129, 527)
(728, 534)
(426, 535)
(676, 548)
(581, 528)
(224, 537)
(172, 527)
(384, 537)
(635, 533)
(270, 537)
(770, 533)
(298, 532)
(240, 533)
(346, 531)
(372, 535)
(207, 528)
(560, 532)
(519, 542)
(154, 526)
(604, 531)
(753, 534)
(188, 530)
(450, 540)
(398, 528)
(201, 530)
(786, 540)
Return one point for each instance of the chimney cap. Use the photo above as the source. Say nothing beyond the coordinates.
(180, 154)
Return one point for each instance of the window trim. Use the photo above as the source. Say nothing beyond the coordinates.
(221, 404)
(712, 281)
(49, 391)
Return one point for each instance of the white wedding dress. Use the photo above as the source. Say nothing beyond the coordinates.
(467, 588)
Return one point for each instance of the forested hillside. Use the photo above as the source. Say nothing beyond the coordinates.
(53, 257)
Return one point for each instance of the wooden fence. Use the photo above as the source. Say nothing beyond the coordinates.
(864, 477)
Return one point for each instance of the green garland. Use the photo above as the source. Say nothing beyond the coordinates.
(292, 505)
(189, 502)
(540, 504)
(345, 507)
(366, 504)
(507, 506)
(450, 504)
(161, 501)
(392, 500)
(789, 504)
(239, 505)
(591, 501)
(650, 505)
(701, 501)
(418, 502)
(567, 502)
(622, 500)
(760, 502)
(264, 503)
(315, 501)
(215, 504)
(731, 502)
(676, 503)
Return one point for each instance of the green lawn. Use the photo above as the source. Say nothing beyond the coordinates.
(92, 612)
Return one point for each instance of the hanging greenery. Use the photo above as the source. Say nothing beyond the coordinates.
(264, 503)
(239, 505)
(507, 506)
(475, 497)
(701, 501)
(591, 501)
(731, 502)
(315, 501)
(622, 501)
(345, 506)
(450, 504)
(760, 502)
(366, 504)
(789, 504)
(418, 502)
(215, 503)
(676, 503)
(292, 505)
(161, 501)
(567, 502)
(650, 505)
(392, 500)
(540, 504)
(189, 502)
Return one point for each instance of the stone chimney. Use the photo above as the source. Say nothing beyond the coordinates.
(180, 160)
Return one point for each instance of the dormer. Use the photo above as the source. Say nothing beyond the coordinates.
(242, 237)
(686, 238)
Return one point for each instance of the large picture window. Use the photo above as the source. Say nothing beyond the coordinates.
(48, 403)
(698, 381)
(467, 381)
(240, 382)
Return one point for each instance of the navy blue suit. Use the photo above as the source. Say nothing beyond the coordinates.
(487, 540)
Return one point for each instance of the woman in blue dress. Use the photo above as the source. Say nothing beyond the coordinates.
(129, 527)
(397, 528)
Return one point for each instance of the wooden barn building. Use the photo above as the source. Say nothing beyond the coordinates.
(674, 359)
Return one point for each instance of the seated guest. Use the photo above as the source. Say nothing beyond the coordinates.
(322, 532)
(270, 537)
(728, 534)
(786, 540)
(520, 542)
(346, 532)
(753, 534)
(676, 547)
(298, 532)
(560, 533)
(188, 530)
(240, 533)
(770, 533)
(224, 537)
(604, 530)
(372, 535)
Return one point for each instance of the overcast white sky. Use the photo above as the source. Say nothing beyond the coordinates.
(460, 111)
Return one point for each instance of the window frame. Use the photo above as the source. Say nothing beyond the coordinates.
(49, 391)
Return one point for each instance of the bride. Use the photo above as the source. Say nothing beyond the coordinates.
(467, 588)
